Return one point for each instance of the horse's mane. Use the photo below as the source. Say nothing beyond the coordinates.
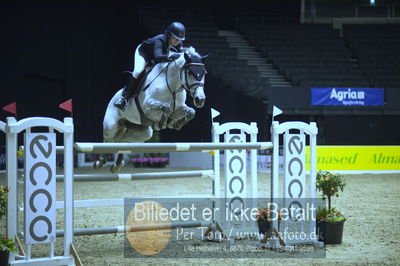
(190, 51)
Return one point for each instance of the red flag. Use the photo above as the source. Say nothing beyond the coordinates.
(67, 105)
(11, 108)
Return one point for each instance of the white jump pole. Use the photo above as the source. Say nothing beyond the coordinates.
(216, 184)
(95, 203)
(68, 185)
(134, 228)
(275, 168)
(99, 147)
(12, 177)
(11, 170)
(138, 176)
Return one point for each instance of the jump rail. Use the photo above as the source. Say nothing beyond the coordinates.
(94, 203)
(136, 228)
(99, 147)
(138, 176)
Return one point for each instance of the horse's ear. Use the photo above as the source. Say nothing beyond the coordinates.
(204, 57)
(187, 58)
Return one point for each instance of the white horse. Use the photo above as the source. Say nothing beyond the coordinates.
(160, 103)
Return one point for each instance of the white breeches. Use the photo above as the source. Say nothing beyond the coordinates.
(139, 63)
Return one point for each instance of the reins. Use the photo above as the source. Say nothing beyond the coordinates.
(148, 85)
(186, 86)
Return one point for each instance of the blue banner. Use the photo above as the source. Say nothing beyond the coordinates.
(347, 96)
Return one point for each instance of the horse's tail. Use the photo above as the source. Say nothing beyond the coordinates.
(126, 71)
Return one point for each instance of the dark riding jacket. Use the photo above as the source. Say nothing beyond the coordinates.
(156, 48)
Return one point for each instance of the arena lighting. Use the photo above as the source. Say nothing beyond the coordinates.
(372, 2)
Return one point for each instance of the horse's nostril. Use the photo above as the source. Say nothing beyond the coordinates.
(199, 101)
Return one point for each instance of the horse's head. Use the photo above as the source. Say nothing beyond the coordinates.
(193, 74)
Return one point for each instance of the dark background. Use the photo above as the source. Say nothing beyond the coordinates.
(52, 51)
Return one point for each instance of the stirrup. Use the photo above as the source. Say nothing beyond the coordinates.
(121, 103)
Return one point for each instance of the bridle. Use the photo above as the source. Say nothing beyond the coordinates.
(185, 84)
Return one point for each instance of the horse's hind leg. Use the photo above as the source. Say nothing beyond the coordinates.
(136, 133)
(113, 129)
(132, 133)
(110, 134)
(100, 162)
(118, 164)
(118, 135)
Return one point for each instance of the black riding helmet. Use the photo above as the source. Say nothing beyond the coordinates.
(177, 30)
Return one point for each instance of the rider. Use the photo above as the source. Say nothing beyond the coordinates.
(153, 49)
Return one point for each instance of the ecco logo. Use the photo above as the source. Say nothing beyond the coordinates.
(40, 187)
(295, 169)
(236, 175)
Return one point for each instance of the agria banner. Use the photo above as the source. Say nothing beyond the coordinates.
(347, 96)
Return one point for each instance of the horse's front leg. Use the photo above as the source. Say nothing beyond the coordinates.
(180, 117)
(155, 110)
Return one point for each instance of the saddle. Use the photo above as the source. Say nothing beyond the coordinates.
(136, 90)
(136, 84)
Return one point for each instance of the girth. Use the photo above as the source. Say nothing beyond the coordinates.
(144, 121)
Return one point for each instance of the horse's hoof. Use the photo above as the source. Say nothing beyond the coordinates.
(164, 125)
(190, 115)
(115, 168)
(97, 164)
(177, 127)
(156, 127)
(166, 109)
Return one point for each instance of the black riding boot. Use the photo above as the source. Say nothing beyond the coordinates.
(128, 91)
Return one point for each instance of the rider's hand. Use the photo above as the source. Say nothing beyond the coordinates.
(173, 57)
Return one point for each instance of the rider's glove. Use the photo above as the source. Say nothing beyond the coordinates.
(173, 57)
